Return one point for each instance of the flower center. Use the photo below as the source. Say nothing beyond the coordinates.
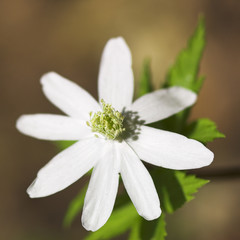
(109, 122)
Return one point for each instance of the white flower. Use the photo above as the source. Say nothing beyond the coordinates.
(119, 147)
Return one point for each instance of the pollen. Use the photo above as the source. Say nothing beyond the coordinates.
(108, 123)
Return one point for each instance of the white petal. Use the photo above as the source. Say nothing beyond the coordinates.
(53, 127)
(163, 103)
(68, 96)
(66, 167)
(115, 81)
(139, 184)
(170, 150)
(102, 190)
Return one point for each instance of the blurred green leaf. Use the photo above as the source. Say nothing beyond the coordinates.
(74, 208)
(135, 230)
(120, 221)
(160, 231)
(175, 187)
(145, 230)
(148, 228)
(154, 230)
(64, 144)
(185, 70)
(203, 130)
(145, 85)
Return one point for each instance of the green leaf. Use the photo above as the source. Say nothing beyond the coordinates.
(64, 144)
(160, 231)
(190, 184)
(154, 230)
(148, 228)
(120, 221)
(185, 70)
(175, 187)
(74, 208)
(145, 230)
(135, 230)
(184, 73)
(203, 130)
(145, 85)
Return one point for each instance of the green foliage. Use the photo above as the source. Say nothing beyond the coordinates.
(175, 187)
(160, 231)
(74, 208)
(120, 221)
(185, 70)
(145, 230)
(61, 145)
(203, 130)
(148, 228)
(135, 230)
(145, 85)
(184, 73)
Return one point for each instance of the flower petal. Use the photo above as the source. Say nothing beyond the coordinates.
(68, 96)
(139, 184)
(53, 127)
(66, 167)
(170, 150)
(102, 190)
(115, 81)
(163, 103)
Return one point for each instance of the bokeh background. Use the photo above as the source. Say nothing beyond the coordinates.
(67, 36)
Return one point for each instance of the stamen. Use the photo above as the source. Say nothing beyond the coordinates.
(109, 122)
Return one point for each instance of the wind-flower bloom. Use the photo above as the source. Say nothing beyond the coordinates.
(111, 138)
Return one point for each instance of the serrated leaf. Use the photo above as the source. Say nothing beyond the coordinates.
(203, 130)
(120, 221)
(175, 188)
(184, 73)
(148, 229)
(74, 208)
(145, 230)
(145, 85)
(190, 184)
(185, 70)
(160, 231)
(153, 230)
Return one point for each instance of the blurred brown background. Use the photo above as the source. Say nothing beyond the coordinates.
(67, 36)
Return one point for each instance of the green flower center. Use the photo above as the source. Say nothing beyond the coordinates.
(109, 122)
